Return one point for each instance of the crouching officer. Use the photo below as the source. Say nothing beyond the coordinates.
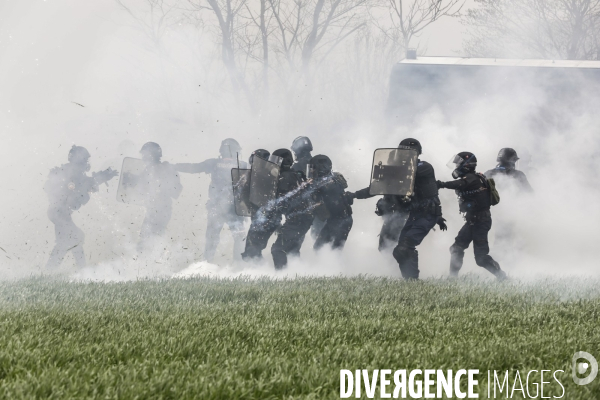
(474, 196)
(335, 208)
(425, 211)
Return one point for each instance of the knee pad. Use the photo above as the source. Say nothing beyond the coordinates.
(486, 261)
(402, 253)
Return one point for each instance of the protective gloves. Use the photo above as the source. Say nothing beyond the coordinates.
(441, 222)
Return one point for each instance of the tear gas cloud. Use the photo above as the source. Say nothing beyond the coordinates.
(88, 74)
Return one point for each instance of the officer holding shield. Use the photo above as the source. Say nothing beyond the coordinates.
(264, 220)
(412, 184)
(156, 185)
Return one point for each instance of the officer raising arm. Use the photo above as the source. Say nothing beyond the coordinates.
(68, 188)
(220, 206)
(474, 200)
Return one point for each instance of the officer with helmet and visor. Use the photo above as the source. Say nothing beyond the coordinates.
(220, 204)
(506, 175)
(474, 200)
(424, 212)
(507, 167)
(158, 184)
(292, 203)
(335, 208)
(68, 188)
(263, 222)
(301, 147)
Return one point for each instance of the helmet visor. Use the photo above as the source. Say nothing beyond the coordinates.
(455, 162)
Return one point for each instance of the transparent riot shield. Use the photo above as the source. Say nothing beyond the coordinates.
(130, 182)
(263, 180)
(240, 179)
(393, 172)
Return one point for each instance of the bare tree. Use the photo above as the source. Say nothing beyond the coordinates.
(155, 20)
(553, 29)
(309, 30)
(408, 18)
(262, 19)
(229, 23)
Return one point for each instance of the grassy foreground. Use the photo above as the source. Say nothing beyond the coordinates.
(287, 339)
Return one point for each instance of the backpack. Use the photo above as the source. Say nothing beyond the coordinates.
(494, 195)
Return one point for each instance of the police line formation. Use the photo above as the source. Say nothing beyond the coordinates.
(289, 193)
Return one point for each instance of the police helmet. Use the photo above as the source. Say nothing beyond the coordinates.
(320, 166)
(287, 157)
(78, 155)
(302, 144)
(229, 148)
(507, 155)
(411, 144)
(151, 150)
(462, 163)
(260, 153)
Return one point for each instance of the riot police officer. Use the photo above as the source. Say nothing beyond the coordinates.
(335, 210)
(473, 192)
(301, 147)
(424, 212)
(158, 184)
(507, 161)
(263, 223)
(292, 202)
(220, 207)
(68, 188)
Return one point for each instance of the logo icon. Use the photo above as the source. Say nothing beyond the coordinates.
(582, 367)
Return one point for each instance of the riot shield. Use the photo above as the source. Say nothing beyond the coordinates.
(240, 179)
(129, 182)
(393, 172)
(263, 180)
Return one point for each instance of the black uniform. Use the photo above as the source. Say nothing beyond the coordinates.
(294, 203)
(474, 201)
(336, 211)
(301, 162)
(68, 188)
(264, 222)
(424, 211)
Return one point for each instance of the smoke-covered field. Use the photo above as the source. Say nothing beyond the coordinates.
(287, 339)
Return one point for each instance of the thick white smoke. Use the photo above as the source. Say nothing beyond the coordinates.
(85, 74)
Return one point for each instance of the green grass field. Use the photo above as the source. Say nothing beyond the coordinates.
(287, 339)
